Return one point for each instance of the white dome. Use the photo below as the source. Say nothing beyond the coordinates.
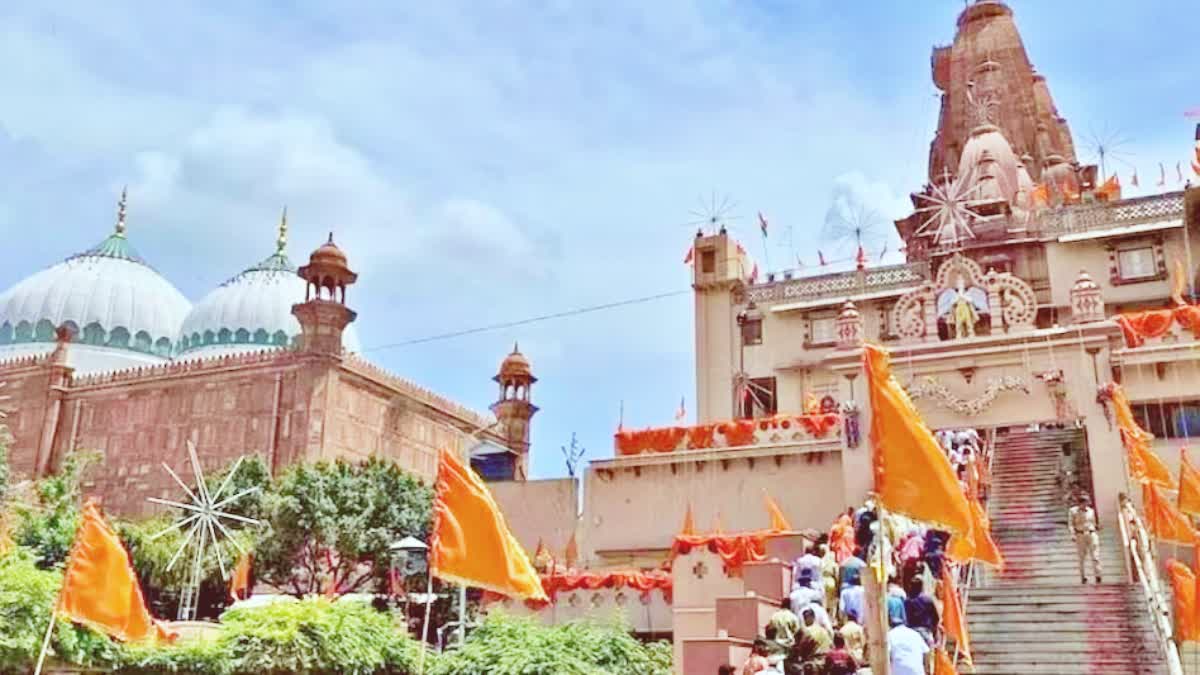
(251, 311)
(987, 140)
(109, 297)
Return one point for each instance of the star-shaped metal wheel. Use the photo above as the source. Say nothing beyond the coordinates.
(950, 213)
(203, 517)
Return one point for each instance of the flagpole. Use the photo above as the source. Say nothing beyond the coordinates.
(46, 643)
(425, 624)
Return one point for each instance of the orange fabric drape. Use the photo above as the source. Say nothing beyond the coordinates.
(942, 663)
(979, 545)
(1189, 485)
(1179, 283)
(779, 522)
(638, 580)
(1164, 520)
(734, 432)
(239, 582)
(1183, 583)
(471, 544)
(1110, 190)
(689, 523)
(100, 588)
(912, 474)
(1137, 326)
(734, 549)
(1144, 463)
(952, 615)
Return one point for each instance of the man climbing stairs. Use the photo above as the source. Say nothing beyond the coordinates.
(1035, 616)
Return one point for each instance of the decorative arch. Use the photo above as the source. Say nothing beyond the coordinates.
(209, 337)
(93, 334)
(1007, 300)
(241, 336)
(280, 338)
(24, 332)
(119, 337)
(44, 331)
(143, 342)
(162, 347)
(261, 336)
(224, 336)
(6, 333)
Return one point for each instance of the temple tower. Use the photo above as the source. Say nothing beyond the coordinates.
(513, 409)
(323, 315)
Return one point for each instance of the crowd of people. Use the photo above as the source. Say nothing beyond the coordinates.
(963, 447)
(818, 629)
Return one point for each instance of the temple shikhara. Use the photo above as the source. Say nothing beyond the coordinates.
(1038, 309)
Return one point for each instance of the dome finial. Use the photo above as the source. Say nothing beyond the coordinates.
(516, 348)
(281, 242)
(120, 229)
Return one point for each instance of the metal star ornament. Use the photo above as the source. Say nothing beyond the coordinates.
(203, 517)
(950, 213)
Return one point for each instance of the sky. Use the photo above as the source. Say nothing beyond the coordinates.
(487, 161)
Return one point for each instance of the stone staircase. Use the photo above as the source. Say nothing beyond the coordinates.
(1035, 616)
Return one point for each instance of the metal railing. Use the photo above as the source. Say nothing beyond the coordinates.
(1139, 550)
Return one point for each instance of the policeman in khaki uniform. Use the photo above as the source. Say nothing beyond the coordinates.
(1081, 518)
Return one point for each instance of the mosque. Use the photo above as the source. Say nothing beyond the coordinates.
(101, 351)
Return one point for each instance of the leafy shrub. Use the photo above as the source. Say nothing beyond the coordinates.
(48, 526)
(26, 597)
(504, 645)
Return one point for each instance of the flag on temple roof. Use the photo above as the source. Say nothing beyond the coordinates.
(821, 258)
(762, 223)
(913, 476)
(754, 273)
(100, 588)
(1163, 519)
(1041, 195)
(1162, 175)
(1111, 189)
(689, 523)
(861, 257)
(1134, 181)
(1189, 485)
(471, 543)
(779, 522)
(691, 253)
(1179, 283)
(571, 555)
(682, 412)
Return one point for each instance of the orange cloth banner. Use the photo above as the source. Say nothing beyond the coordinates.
(1144, 463)
(1189, 485)
(942, 663)
(638, 580)
(1110, 190)
(1164, 520)
(471, 544)
(979, 545)
(734, 549)
(913, 477)
(1153, 323)
(779, 522)
(735, 433)
(100, 589)
(239, 582)
(952, 615)
(1183, 583)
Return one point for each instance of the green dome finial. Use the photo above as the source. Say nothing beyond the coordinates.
(281, 242)
(120, 229)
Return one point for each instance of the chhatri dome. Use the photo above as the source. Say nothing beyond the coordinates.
(121, 312)
(251, 311)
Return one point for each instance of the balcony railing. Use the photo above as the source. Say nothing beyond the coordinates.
(1086, 218)
(840, 285)
(730, 434)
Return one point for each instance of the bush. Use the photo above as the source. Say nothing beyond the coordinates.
(26, 597)
(310, 637)
(504, 645)
(48, 526)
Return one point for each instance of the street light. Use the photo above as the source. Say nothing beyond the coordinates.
(410, 556)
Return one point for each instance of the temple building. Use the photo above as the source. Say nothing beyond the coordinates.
(1032, 289)
(102, 352)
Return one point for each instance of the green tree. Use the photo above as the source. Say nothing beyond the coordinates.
(330, 524)
(48, 525)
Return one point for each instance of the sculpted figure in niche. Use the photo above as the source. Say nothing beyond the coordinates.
(965, 315)
(960, 307)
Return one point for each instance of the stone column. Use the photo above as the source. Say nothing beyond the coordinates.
(929, 310)
(60, 377)
(995, 307)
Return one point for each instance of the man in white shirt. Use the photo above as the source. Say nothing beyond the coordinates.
(906, 650)
(806, 566)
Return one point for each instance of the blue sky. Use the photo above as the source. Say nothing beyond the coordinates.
(490, 161)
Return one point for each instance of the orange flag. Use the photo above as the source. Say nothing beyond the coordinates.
(952, 615)
(778, 522)
(100, 588)
(1163, 519)
(1110, 190)
(1183, 583)
(1144, 463)
(571, 555)
(1179, 283)
(471, 544)
(689, 523)
(1041, 195)
(912, 474)
(942, 664)
(979, 545)
(1189, 485)
(239, 583)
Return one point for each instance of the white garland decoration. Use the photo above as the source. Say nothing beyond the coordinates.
(931, 387)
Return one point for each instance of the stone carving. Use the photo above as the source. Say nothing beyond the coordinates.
(963, 311)
(849, 327)
(1087, 300)
(908, 319)
(932, 387)
(960, 295)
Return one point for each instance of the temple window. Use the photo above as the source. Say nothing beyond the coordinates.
(708, 261)
(6, 333)
(119, 337)
(142, 342)
(822, 330)
(760, 399)
(1177, 419)
(752, 332)
(1137, 263)
(44, 332)
(24, 332)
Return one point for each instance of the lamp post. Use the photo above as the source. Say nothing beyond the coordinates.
(410, 556)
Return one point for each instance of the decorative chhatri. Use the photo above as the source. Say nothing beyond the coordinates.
(203, 517)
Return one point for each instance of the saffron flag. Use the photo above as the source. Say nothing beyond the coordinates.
(1144, 463)
(952, 615)
(691, 253)
(821, 258)
(689, 523)
(978, 545)
(571, 555)
(913, 477)
(778, 522)
(1163, 519)
(1183, 583)
(100, 589)
(762, 223)
(471, 544)
(682, 412)
(1134, 181)
(1162, 175)
(942, 663)
(1041, 195)
(1189, 485)
(239, 581)
(1111, 189)
(1179, 287)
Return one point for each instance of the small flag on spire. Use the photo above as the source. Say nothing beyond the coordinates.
(762, 223)
(821, 257)
(1134, 181)
(883, 252)
(1162, 175)
(754, 274)
(691, 253)
(861, 258)
(682, 412)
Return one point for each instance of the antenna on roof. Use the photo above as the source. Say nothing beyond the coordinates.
(1107, 144)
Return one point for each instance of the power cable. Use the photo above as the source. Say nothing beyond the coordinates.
(523, 322)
